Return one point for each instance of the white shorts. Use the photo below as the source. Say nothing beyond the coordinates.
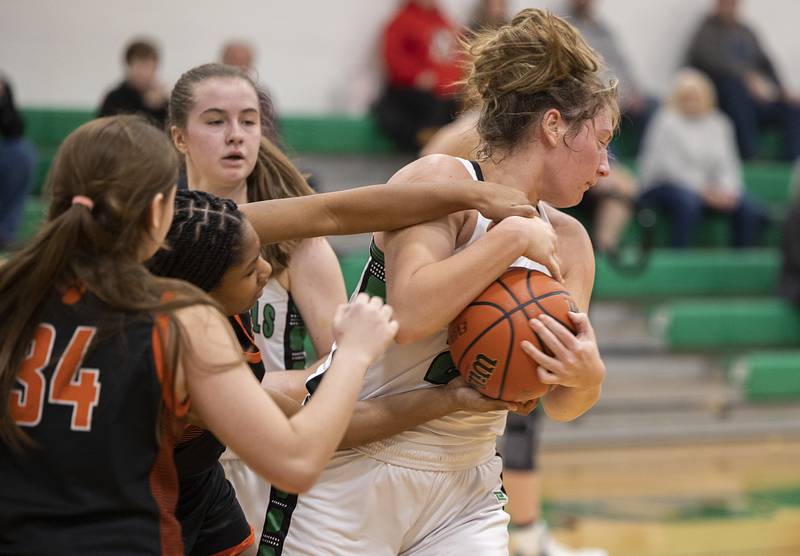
(252, 492)
(363, 506)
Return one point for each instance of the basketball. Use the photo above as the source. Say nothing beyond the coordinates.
(485, 338)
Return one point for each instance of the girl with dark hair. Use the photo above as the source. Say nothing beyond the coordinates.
(545, 123)
(101, 362)
(212, 245)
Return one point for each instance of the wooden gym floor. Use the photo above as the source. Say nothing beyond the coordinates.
(706, 500)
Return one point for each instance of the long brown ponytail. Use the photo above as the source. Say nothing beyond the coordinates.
(119, 164)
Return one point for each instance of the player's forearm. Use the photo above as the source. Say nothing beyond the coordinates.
(565, 404)
(435, 294)
(359, 210)
(384, 417)
(322, 422)
(289, 383)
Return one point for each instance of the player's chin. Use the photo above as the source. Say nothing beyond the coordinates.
(567, 201)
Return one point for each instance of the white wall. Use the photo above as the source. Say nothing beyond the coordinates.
(316, 56)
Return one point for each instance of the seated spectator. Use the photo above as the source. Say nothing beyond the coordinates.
(636, 105)
(241, 54)
(789, 283)
(489, 14)
(421, 56)
(689, 165)
(747, 85)
(17, 167)
(140, 92)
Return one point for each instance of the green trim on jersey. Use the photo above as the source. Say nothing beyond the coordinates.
(294, 338)
(373, 279)
(276, 522)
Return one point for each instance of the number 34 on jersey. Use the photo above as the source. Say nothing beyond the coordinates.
(70, 384)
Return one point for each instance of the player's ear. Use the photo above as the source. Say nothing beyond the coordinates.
(550, 127)
(178, 139)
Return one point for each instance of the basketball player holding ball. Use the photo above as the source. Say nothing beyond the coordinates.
(546, 119)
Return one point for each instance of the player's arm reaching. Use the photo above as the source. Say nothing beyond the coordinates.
(576, 370)
(380, 207)
(226, 397)
(387, 416)
(430, 284)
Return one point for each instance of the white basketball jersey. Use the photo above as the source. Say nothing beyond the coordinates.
(278, 329)
(457, 441)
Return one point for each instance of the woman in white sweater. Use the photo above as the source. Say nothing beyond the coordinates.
(689, 165)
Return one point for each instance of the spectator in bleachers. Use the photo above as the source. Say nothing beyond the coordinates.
(140, 92)
(421, 57)
(789, 283)
(238, 53)
(17, 166)
(747, 85)
(637, 107)
(689, 165)
(489, 14)
(241, 54)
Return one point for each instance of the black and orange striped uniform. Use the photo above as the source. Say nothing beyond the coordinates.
(101, 478)
(213, 522)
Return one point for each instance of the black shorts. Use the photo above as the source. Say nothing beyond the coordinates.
(520, 443)
(211, 519)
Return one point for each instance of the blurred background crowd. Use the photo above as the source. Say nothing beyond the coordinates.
(697, 227)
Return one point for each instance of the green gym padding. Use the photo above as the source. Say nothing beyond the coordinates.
(768, 376)
(727, 324)
(333, 134)
(688, 273)
(34, 215)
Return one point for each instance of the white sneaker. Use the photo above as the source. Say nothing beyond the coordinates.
(535, 540)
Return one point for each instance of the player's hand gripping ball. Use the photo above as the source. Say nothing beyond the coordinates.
(485, 338)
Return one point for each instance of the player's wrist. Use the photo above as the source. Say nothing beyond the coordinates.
(354, 355)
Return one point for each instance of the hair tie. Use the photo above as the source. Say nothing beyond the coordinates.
(83, 200)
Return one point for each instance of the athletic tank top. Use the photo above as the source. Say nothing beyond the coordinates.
(198, 449)
(457, 441)
(89, 394)
(278, 329)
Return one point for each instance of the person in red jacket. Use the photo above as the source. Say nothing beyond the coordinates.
(421, 55)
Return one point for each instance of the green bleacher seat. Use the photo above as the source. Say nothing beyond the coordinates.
(34, 215)
(767, 376)
(333, 134)
(670, 273)
(737, 324)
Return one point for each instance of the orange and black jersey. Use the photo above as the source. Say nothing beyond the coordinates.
(101, 479)
(198, 449)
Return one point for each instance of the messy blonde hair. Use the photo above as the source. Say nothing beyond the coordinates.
(535, 63)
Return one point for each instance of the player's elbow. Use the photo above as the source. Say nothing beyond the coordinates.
(299, 477)
(413, 325)
(410, 333)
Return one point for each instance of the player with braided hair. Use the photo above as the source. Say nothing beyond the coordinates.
(213, 246)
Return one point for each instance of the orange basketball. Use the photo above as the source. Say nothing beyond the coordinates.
(485, 338)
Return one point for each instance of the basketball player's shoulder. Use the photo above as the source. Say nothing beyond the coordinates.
(432, 168)
(574, 244)
(568, 228)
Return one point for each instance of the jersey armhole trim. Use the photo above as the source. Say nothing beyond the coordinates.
(159, 336)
